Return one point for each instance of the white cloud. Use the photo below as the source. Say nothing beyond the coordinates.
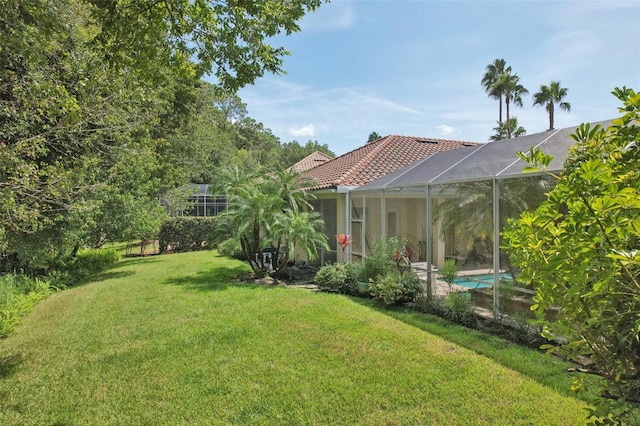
(446, 130)
(377, 103)
(308, 130)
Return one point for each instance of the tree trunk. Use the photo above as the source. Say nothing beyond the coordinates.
(506, 102)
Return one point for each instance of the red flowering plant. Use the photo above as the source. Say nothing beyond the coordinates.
(344, 241)
(403, 259)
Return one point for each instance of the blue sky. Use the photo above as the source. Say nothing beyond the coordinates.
(414, 67)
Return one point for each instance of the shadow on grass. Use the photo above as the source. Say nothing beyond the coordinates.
(8, 365)
(111, 275)
(129, 261)
(217, 278)
(546, 370)
(111, 271)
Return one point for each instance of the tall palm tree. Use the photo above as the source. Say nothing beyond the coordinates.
(373, 136)
(509, 85)
(501, 130)
(493, 71)
(549, 96)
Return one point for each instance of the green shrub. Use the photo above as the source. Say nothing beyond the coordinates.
(18, 295)
(459, 308)
(231, 248)
(449, 272)
(381, 262)
(338, 278)
(88, 263)
(181, 234)
(393, 289)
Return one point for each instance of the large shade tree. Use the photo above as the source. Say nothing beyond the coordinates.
(87, 84)
(292, 152)
(225, 38)
(549, 96)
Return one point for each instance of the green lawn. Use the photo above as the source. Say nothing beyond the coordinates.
(174, 340)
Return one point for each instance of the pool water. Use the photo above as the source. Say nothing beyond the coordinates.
(477, 281)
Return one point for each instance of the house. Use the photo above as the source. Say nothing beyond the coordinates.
(488, 183)
(333, 179)
(310, 161)
(203, 203)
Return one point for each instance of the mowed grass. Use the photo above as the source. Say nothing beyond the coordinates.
(175, 340)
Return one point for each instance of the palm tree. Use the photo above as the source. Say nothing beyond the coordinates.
(288, 185)
(492, 73)
(299, 230)
(509, 85)
(501, 130)
(373, 136)
(549, 96)
(266, 210)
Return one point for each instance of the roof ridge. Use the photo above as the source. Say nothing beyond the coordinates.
(367, 158)
(429, 138)
(378, 158)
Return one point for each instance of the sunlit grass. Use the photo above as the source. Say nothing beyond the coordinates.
(175, 340)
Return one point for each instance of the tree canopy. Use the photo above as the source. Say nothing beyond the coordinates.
(493, 72)
(224, 38)
(501, 83)
(549, 96)
(373, 136)
(103, 112)
(292, 152)
(501, 130)
(268, 210)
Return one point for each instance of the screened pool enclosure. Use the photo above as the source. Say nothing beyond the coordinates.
(453, 205)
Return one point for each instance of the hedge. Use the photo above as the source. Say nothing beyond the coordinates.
(180, 234)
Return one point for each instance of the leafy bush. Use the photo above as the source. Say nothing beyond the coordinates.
(182, 234)
(395, 289)
(459, 308)
(580, 250)
(381, 262)
(516, 329)
(18, 295)
(449, 272)
(87, 263)
(231, 248)
(338, 278)
(223, 230)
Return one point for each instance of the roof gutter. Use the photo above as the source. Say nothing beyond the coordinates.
(344, 189)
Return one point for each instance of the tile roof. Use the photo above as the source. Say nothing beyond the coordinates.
(377, 159)
(310, 161)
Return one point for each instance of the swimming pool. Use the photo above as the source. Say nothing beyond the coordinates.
(477, 281)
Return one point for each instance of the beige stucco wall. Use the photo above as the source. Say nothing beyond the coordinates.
(410, 223)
